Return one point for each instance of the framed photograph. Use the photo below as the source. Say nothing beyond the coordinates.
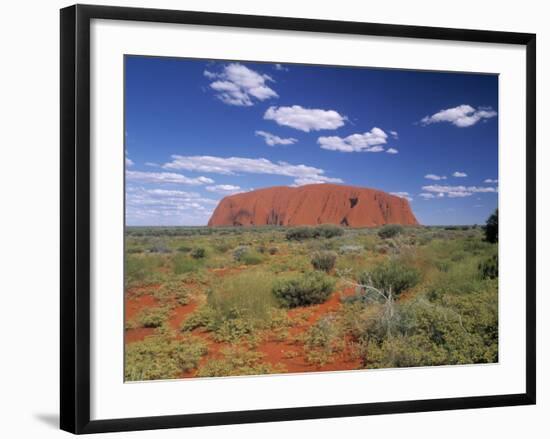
(268, 218)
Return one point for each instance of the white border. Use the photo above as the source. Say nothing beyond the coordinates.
(111, 398)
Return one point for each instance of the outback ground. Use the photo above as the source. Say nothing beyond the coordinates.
(208, 302)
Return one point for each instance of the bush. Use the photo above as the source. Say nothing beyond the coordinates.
(172, 290)
(160, 357)
(152, 317)
(460, 329)
(183, 264)
(351, 249)
(239, 252)
(273, 250)
(328, 231)
(488, 269)
(303, 290)
(323, 260)
(198, 253)
(391, 274)
(306, 232)
(491, 228)
(247, 294)
(390, 230)
(238, 362)
(299, 233)
(142, 269)
(247, 256)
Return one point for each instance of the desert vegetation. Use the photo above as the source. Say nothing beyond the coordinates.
(223, 301)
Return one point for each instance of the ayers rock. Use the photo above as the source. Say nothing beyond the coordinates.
(311, 205)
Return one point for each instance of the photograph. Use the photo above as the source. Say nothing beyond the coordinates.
(287, 218)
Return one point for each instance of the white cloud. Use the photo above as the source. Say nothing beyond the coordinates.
(461, 116)
(128, 162)
(272, 139)
(392, 151)
(394, 134)
(317, 179)
(302, 174)
(426, 196)
(405, 195)
(457, 191)
(490, 181)
(459, 174)
(226, 189)
(435, 177)
(167, 207)
(305, 119)
(370, 141)
(166, 178)
(281, 68)
(239, 85)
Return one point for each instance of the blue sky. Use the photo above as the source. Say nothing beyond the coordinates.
(198, 130)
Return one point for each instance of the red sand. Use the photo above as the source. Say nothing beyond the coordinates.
(275, 351)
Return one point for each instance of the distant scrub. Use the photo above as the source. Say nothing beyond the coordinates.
(309, 232)
(390, 230)
(302, 290)
(351, 249)
(323, 260)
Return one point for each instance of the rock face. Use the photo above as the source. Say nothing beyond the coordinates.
(312, 205)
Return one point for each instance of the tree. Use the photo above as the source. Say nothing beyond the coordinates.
(491, 228)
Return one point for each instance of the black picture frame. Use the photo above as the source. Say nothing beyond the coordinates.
(75, 217)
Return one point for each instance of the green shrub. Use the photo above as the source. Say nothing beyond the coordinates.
(184, 249)
(239, 252)
(159, 247)
(303, 290)
(328, 231)
(459, 329)
(152, 317)
(173, 290)
(245, 255)
(237, 362)
(183, 264)
(323, 260)
(488, 269)
(299, 233)
(198, 253)
(322, 341)
(390, 230)
(491, 228)
(247, 294)
(160, 357)
(251, 258)
(142, 269)
(307, 232)
(391, 275)
(351, 249)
